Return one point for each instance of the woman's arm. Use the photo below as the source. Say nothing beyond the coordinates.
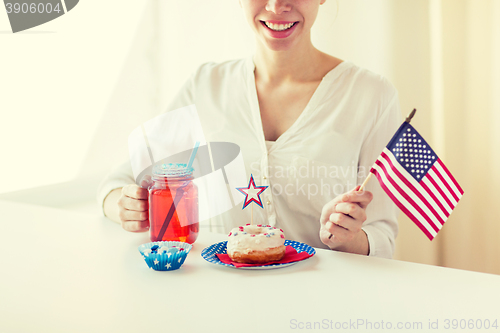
(110, 205)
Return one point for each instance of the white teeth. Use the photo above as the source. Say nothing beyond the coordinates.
(278, 27)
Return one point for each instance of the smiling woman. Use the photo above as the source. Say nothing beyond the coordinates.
(274, 21)
(287, 101)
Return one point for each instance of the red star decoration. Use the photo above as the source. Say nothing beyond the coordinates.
(255, 197)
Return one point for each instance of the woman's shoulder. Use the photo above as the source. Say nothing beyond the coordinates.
(366, 81)
(219, 70)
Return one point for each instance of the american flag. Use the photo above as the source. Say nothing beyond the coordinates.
(417, 181)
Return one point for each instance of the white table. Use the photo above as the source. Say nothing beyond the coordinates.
(63, 271)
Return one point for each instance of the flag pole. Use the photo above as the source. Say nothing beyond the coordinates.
(410, 116)
(251, 210)
(407, 120)
(365, 182)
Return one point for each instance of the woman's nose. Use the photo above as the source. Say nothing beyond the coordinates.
(278, 6)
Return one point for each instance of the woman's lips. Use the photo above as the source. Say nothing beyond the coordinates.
(279, 29)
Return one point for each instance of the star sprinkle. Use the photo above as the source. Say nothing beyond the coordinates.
(252, 193)
(168, 265)
(156, 262)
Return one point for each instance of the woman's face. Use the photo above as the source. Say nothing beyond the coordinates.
(281, 24)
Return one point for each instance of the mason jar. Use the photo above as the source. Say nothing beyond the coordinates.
(173, 204)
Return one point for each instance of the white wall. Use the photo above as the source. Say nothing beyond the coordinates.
(56, 81)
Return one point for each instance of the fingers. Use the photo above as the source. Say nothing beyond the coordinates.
(133, 208)
(343, 221)
(136, 226)
(134, 221)
(340, 234)
(135, 192)
(132, 215)
(343, 217)
(133, 204)
(362, 198)
(146, 181)
(353, 210)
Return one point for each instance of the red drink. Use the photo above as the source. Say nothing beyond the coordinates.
(173, 204)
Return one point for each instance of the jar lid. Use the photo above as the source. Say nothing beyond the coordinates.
(172, 170)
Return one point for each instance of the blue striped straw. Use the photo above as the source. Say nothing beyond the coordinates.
(178, 195)
(193, 154)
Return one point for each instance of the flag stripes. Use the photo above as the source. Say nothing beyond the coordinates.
(404, 196)
(418, 182)
(411, 183)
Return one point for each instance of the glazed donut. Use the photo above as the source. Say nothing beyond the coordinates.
(256, 244)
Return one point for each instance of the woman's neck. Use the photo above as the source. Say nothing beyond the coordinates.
(299, 63)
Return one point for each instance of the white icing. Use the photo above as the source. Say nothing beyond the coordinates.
(266, 237)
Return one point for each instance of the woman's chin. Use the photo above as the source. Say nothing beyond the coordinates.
(279, 44)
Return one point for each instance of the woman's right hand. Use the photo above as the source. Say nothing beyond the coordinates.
(133, 207)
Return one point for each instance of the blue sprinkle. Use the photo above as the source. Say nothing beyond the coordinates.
(268, 235)
(271, 233)
(244, 233)
(235, 234)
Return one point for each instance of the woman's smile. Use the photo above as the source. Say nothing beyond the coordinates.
(279, 29)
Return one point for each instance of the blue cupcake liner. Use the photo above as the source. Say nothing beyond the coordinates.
(165, 256)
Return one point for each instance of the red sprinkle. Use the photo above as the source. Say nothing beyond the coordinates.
(282, 236)
(281, 230)
(265, 234)
(248, 224)
(252, 235)
(241, 228)
(259, 225)
(181, 249)
(229, 234)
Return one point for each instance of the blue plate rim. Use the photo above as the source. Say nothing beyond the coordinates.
(214, 260)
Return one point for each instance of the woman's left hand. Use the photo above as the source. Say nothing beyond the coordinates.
(342, 218)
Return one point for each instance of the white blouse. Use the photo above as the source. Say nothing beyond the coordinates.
(327, 151)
